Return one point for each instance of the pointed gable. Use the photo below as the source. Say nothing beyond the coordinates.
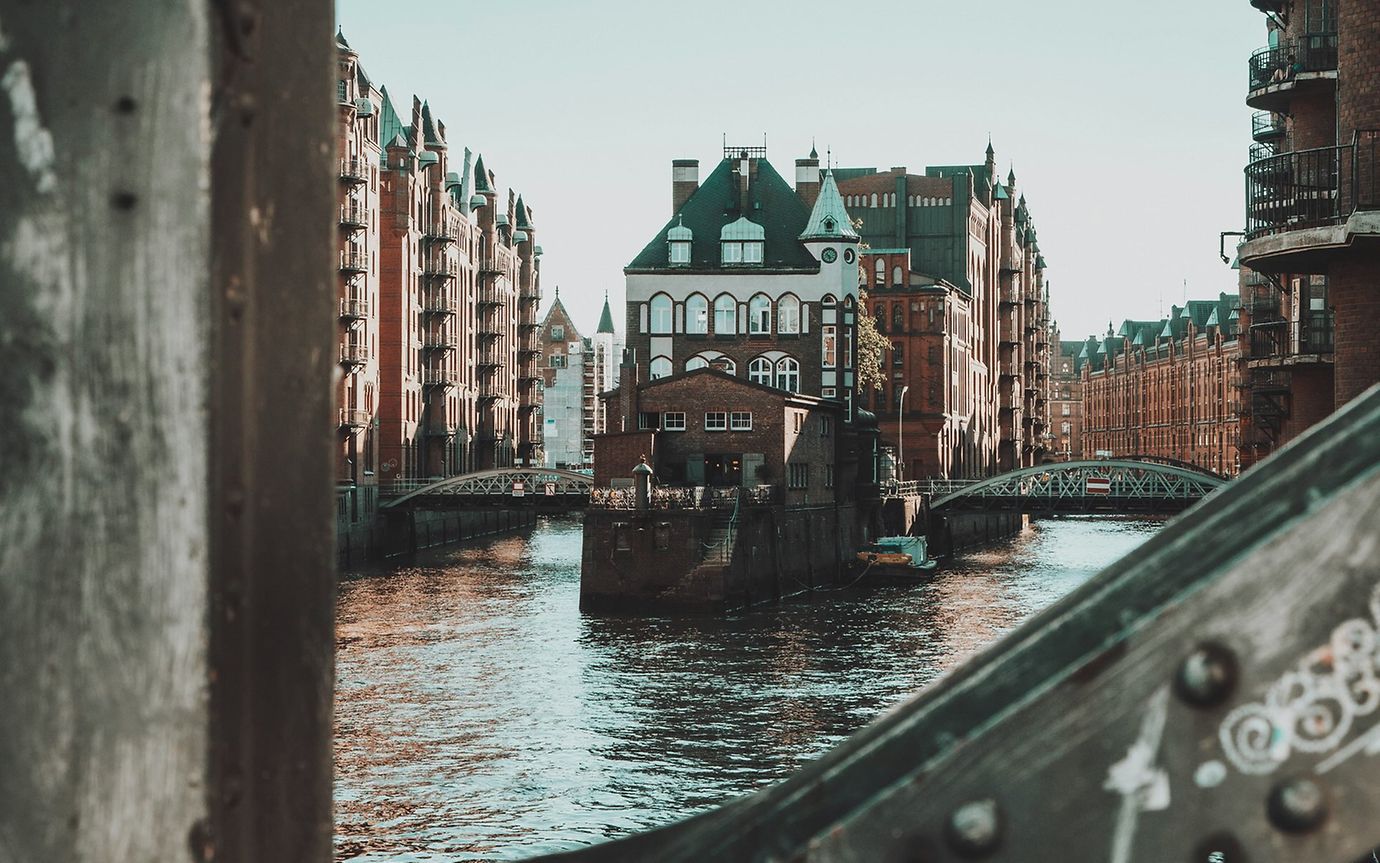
(829, 220)
(606, 318)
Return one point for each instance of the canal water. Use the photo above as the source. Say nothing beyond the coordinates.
(481, 716)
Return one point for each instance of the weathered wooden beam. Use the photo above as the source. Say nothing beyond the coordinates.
(165, 561)
(1215, 693)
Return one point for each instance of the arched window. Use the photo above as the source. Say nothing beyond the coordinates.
(788, 314)
(661, 367)
(724, 364)
(696, 362)
(896, 276)
(725, 315)
(759, 315)
(874, 199)
(880, 314)
(661, 314)
(788, 375)
(697, 314)
(881, 273)
(897, 316)
(828, 301)
(759, 371)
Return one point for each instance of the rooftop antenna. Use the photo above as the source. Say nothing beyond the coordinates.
(829, 158)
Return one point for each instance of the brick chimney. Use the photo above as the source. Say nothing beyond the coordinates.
(807, 179)
(685, 179)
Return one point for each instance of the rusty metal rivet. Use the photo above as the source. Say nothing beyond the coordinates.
(1297, 805)
(974, 829)
(1207, 676)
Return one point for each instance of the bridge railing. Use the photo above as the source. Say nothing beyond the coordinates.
(685, 497)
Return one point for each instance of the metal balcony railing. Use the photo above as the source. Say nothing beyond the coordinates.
(1267, 126)
(441, 233)
(440, 268)
(439, 341)
(354, 215)
(354, 262)
(1314, 187)
(492, 265)
(354, 170)
(490, 296)
(354, 354)
(439, 304)
(1316, 52)
(1280, 339)
(440, 378)
(354, 309)
(353, 419)
(490, 359)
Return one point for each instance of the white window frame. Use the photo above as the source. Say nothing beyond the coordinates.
(829, 346)
(715, 421)
(680, 253)
(740, 421)
(761, 371)
(788, 315)
(655, 312)
(673, 421)
(669, 368)
(697, 314)
(759, 315)
(788, 374)
(726, 312)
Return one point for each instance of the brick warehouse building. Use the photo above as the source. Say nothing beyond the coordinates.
(956, 284)
(575, 371)
(1166, 388)
(439, 293)
(1311, 251)
(1066, 398)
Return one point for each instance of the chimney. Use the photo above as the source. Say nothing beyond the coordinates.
(807, 179)
(744, 181)
(685, 179)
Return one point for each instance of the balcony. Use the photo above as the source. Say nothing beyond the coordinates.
(487, 328)
(439, 341)
(439, 304)
(1323, 188)
(490, 296)
(1275, 73)
(353, 419)
(1007, 369)
(492, 266)
(354, 262)
(1279, 343)
(354, 309)
(490, 359)
(440, 269)
(1267, 126)
(354, 171)
(440, 378)
(353, 354)
(353, 216)
(441, 233)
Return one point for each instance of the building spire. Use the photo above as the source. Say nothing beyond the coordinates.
(606, 318)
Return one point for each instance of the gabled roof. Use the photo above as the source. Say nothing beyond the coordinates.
(429, 135)
(771, 203)
(390, 125)
(522, 221)
(829, 220)
(742, 382)
(481, 176)
(559, 312)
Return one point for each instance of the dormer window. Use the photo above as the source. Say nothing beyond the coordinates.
(829, 226)
(678, 241)
(741, 243)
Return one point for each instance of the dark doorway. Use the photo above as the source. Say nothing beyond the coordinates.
(723, 469)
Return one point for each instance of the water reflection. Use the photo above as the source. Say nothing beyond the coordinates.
(480, 716)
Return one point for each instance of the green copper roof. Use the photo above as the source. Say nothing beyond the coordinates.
(742, 229)
(606, 318)
(772, 204)
(999, 193)
(481, 176)
(390, 126)
(829, 219)
(680, 232)
(429, 134)
(522, 221)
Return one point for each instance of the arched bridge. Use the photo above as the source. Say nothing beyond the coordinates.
(1108, 485)
(509, 485)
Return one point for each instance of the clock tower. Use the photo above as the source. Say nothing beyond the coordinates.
(830, 237)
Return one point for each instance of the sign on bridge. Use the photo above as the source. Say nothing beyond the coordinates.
(1098, 485)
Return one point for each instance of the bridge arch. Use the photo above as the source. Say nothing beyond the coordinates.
(1126, 480)
(499, 483)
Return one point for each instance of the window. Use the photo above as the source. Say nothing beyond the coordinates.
(647, 420)
(741, 243)
(759, 315)
(881, 272)
(788, 375)
(797, 475)
(896, 276)
(557, 361)
(1064, 427)
(697, 314)
(827, 392)
(799, 421)
(680, 253)
(661, 368)
(898, 357)
(696, 362)
(897, 317)
(829, 356)
(880, 315)
(725, 315)
(716, 421)
(557, 333)
(759, 371)
(661, 314)
(1067, 410)
(673, 421)
(826, 425)
(724, 364)
(788, 315)
(740, 421)
(828, 476)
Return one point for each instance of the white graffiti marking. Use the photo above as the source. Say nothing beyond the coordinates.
(1312, 707)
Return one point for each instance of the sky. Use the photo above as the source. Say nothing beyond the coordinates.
(1125, 122)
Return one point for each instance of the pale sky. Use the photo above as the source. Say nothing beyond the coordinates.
(1125, 121)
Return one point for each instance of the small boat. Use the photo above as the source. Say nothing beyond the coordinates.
(902, 557)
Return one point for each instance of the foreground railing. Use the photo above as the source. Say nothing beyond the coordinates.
(1307, 188)
(685, 497)
(1210, 698)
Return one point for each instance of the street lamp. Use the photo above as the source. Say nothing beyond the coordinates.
(900, 431)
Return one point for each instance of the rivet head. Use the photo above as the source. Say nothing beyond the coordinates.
(1297, 805)
(974, 829)
(1207, 676)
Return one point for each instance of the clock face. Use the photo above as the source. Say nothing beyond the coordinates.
(829, 255)
(848, 256)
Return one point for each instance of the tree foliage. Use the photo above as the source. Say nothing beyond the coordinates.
(870, 347)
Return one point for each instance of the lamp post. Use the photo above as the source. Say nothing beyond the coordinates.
(900, 431)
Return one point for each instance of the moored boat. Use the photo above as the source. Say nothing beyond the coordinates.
(902, 557)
